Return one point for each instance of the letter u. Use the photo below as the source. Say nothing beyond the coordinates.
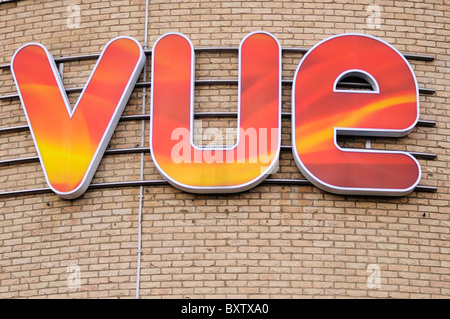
(254, 156)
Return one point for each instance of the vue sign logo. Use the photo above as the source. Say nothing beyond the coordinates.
(70, 143)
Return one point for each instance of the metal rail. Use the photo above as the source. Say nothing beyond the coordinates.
(161, 182)
(80, 57)
(117, 151)
(421, 155)
(138, 150)
(426, 91)
(138, 117)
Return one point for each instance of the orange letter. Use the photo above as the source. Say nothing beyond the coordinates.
(70, 143)
(207, 170)
(321, 111)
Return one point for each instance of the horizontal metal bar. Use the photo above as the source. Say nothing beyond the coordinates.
(420, 123)
(426, 91)
(24, 192)
(16, 161)
(216, 49)
(426, 123)
(114, 151)
(427, 156)
(158, 182)
(356, 85)
(135, 117)
(16, 128)
(20, 128)
(302, 50)
(287, 181)
(284, 82)
(132, 150)
(425, 189)
(216, 82)
(62, 59)
(215, 114)
(409, 56)
(129, 184)
(11, 96)
(139, 117)
(422, 155)
(418, 57)
(16, 96)
(304, 182)
(80, 57)
(204, 49)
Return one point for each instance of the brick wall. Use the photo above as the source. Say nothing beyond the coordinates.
(274, 241)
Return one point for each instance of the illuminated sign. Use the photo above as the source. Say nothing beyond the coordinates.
(70, 143)
(320, 111)
(256, 152)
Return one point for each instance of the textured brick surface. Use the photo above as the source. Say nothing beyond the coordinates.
(272, 241)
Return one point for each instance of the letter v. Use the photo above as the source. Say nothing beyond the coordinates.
(71, 143)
